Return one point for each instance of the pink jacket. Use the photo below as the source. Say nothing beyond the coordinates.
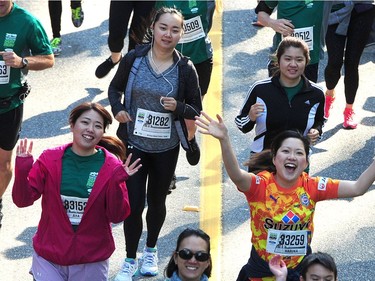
(55, 239)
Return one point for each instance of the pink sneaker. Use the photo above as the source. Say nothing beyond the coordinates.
(349, 122)
(328, 106)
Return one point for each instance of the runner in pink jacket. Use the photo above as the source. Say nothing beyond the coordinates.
(83, 191)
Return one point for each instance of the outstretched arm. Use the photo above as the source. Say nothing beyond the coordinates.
(218, 130)
(359, 187)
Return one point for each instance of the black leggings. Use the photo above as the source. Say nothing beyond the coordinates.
(157, 170)
(204, 70)
(119, 16)
(55, 10)
(351, 46)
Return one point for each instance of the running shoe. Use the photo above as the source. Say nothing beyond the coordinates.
(150, 262)
(56, 45)
(349, 122)
(128, 270)
(105, 67)
(193, 155)
(328, 106)
(77, 16)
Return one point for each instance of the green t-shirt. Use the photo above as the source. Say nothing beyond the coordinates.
(78, 177)
(306, 16)
(292, 91)
(24, 34)
(197, 23)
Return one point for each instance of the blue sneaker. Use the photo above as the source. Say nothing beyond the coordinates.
(150, 262)
(128, 270)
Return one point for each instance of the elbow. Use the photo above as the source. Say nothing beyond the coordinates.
(19, 202)
(50, 61)
(122, 216)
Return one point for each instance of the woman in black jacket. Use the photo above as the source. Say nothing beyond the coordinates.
(285, 101)
(160, 88)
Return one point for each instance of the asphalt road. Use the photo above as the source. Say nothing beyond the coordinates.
(344, 228)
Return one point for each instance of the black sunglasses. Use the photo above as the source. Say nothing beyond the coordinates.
(186, 254)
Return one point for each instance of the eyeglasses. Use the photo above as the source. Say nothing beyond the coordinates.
(186, 254)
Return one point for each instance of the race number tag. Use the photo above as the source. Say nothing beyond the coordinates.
(287, 243)
(193, 30)
(153, 125)
(74, 207)
(306, 34)
(4, 73)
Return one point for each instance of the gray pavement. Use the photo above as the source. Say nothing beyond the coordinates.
(344, 228)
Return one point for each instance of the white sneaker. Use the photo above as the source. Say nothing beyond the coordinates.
(128, 270)
(150, 262)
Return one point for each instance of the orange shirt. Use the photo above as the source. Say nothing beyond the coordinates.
(288, 209)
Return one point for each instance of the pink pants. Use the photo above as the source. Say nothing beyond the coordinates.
(43, 270)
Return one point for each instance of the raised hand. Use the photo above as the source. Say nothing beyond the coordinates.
(23, 150)
(278, 268)
(209, 126)
(134, 167)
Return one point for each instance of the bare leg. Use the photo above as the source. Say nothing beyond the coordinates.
(6, 171)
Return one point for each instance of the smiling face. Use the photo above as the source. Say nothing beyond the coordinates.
(290, 161)
(318, 272)
(191, 270)
(87, 132)
(5, 7)
(168, 30)
(292, 64)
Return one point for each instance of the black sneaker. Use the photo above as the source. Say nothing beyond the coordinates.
(194, 154)
(104, 68)
(172, 185)
(77, 16)
(1, 207)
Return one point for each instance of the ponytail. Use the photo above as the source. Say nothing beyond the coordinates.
(114, 145)
(261, 161)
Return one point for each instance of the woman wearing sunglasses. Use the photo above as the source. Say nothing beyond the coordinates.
(191, 261)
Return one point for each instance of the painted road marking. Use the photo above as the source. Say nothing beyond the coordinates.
(211, 168)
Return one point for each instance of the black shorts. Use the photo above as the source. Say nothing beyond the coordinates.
(10, 127)
(204, 70)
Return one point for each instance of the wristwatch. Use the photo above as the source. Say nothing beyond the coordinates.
(25, 62)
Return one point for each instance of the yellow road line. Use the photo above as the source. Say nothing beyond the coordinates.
(211, 168)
